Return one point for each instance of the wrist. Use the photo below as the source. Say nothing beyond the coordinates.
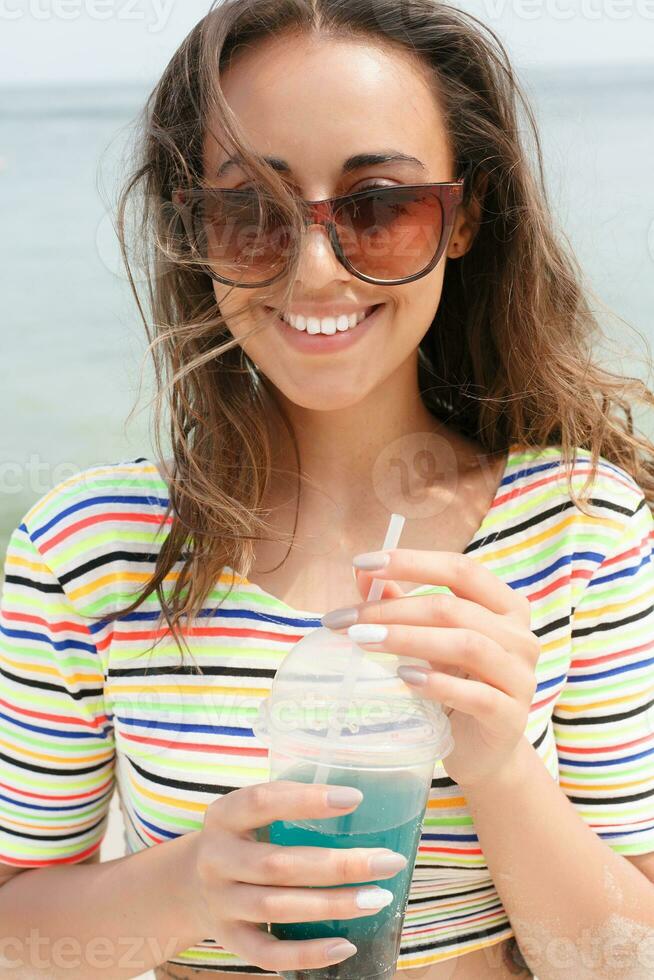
(509, 775)
(180, 877)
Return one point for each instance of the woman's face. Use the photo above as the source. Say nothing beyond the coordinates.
(313, 103)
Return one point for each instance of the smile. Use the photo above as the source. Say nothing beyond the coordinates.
(330, 334)
(326, 325)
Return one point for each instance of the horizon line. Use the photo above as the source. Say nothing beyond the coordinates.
(115, 80)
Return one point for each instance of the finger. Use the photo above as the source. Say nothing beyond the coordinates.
(491, 708)
(464, 576)
(440, 609)
(255, 903)
(465, 650)
(256, 806)
(262, 863)
(364, 580)
(265, 951)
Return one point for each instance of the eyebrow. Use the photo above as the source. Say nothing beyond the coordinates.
(356, 162)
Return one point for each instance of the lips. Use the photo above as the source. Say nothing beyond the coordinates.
(320, 343)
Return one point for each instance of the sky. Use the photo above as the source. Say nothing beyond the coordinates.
(132, 40)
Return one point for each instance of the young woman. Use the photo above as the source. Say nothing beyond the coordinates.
(358, 305)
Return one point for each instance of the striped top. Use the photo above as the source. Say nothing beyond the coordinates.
(84, 710)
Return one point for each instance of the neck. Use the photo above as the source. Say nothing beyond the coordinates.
(354, 455)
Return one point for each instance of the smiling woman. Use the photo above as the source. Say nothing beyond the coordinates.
(357, 304)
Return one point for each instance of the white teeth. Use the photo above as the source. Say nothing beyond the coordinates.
(327, 325)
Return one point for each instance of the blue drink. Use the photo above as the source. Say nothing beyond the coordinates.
(390, 815)
(340, 715)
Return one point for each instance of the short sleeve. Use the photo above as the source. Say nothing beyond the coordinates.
(56, 742)
(603, 720)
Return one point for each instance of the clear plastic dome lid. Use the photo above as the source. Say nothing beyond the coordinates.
(382, 721)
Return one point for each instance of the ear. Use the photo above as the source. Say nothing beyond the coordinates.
(466, 223)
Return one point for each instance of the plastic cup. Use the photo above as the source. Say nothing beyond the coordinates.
(389, 742)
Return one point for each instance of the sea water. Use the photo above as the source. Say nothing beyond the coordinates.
(390, 816)
(72, 326)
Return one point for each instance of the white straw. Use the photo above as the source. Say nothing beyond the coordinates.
(395, 527)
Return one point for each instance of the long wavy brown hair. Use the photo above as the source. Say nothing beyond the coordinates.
(509, 357)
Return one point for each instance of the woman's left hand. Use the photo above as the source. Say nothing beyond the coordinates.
(477, 642)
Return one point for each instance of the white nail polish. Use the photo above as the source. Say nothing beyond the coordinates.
(373, 897)
(367, 633)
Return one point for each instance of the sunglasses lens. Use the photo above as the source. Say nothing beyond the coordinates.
(391, 233)
(242, 237)
(387, 233)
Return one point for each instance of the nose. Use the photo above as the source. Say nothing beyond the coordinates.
(318, 262)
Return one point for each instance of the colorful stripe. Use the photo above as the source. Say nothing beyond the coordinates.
(83, 711)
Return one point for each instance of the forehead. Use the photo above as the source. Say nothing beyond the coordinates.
(315, 101)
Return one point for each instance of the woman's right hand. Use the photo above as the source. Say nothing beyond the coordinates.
(243, 883)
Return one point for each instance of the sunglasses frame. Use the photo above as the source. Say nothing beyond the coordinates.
(449, 193)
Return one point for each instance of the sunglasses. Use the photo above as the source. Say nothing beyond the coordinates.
(383, 235)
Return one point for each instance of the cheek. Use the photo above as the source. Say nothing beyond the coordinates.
(418, 307)
(428, 292)
(236, 309)
(249, 324)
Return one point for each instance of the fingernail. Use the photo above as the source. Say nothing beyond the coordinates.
(345, 796)
(340, 950)
(385, 863)
(368, 633)
(338, 619)
(373, 897)
(412, 675)
(371, 560)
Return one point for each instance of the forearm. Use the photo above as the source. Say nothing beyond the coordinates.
(571, 899)
(113, 920)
